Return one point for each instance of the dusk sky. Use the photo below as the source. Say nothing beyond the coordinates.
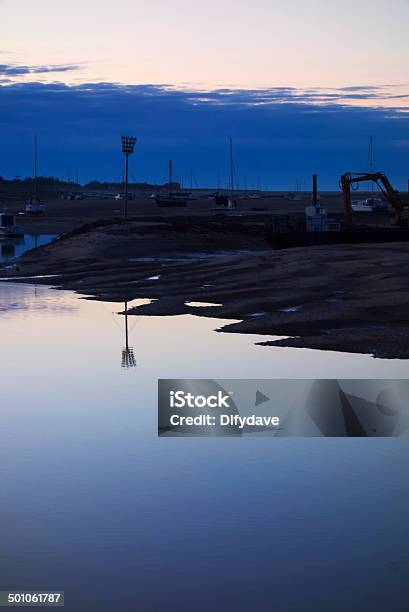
(300, 86)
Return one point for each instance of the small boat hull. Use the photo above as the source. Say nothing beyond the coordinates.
(11, 232)
(224, 206)
(35, 208)
(171, 202)
(8, 227)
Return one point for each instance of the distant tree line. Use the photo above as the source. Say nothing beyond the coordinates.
(28, 180)
(51, 181)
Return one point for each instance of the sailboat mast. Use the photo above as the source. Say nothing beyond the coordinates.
(370, 154)
(370, 159)
(170, 172)
(231, 164)
(35, 163)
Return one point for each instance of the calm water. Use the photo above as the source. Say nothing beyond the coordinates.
(15, 247)
(95, 504)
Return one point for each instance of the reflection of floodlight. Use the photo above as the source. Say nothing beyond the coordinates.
(128, 358)
(128, 146)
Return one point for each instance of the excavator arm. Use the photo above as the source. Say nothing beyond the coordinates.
(349, 179)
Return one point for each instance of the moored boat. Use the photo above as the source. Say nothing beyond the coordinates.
(8, 226)
(171, 200)
(224, 205)
(369, 205)
(34, 207)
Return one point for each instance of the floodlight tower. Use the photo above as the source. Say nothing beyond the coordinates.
(128, 145)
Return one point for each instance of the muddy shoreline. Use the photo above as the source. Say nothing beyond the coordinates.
(351, 298)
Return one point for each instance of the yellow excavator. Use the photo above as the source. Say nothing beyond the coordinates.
(350, 181)
(320, 230)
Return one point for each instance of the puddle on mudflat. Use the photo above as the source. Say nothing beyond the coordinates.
(290, 309)
(202, 304)
(28, 278)
(187, 256)
(14, 247)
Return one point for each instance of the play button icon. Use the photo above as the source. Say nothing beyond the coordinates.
(261, 398)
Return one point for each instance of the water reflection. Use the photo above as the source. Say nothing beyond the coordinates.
(185, 345)
(15, 247)
(128, 358)
(91, 496)
(23, 301)
(8, 248)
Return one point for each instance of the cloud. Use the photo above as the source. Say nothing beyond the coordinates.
(16, 70)
(279, 134)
